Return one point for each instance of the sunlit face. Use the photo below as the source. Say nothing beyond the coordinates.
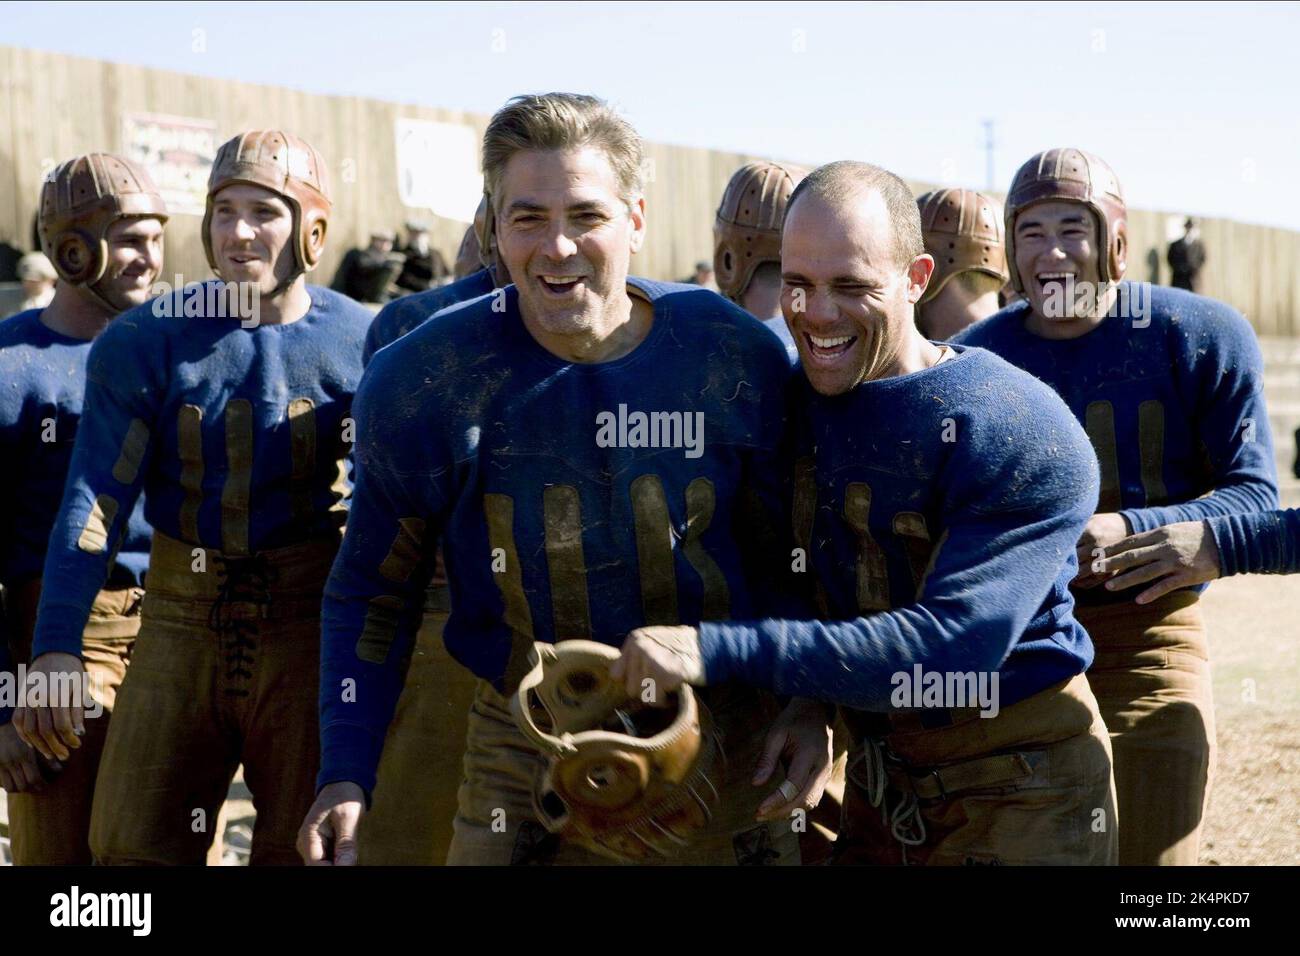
(253, 236)
(1057, 242)
(846, 298)
(566, 236)
(135, 256)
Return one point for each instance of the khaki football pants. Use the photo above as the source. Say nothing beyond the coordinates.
(1030, 786)
(225, 670)
(497, 825)
(414, 801)
(52, 828)
(1151, 676)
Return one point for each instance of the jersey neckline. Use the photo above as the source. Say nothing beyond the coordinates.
(636, 288)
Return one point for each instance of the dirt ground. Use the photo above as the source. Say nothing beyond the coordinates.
(1254, 632)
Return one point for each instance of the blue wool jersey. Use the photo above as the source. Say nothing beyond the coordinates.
(1267, 542)
(1174, 408)
(238, 437)
(1172, 401)
(558, 516)
(42, 388)
(402, 315)
(940, 512)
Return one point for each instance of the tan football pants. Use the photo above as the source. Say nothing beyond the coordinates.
(410, 821)
(52, 828)
(414, 801)
(502, 768)
(1151, 676)
(225, 670)
(1032, 785)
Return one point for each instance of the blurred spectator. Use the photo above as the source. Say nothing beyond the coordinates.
(9, 256)
(365, 274)
(37, 277)
(425, 265)
(1186, 258)
(703, 275)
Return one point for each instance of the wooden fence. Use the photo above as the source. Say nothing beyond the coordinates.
(54, 106)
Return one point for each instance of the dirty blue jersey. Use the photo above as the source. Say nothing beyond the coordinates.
(401, 315)
(939, 511)
(1170, 392)
(571, 500)
(238, 437)
(42, 388)
(1266, 542)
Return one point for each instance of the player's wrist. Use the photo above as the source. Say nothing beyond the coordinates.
(343, 791)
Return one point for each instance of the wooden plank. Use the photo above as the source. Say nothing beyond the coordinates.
(10, 230)
(33, 138)
(53, 106)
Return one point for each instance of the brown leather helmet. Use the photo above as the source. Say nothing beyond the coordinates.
(485, 233)
(80, 199)
(625, 779)
(467, 256)
(747, 230)
(962, 230)
(1072, 175)
(288, 166)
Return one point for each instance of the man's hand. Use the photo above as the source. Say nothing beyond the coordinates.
(1175, 556)
(328, 835)
(18, 770)
(1101, 531)
(801, 736)
(56, 728)
(667, 656)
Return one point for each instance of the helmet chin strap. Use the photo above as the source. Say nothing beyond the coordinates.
(282, 286)
(92, 292)
(285, 283)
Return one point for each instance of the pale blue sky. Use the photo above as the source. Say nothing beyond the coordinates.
(1194, 105)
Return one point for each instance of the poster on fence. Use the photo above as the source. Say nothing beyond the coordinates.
(178, 152)
(437, 167)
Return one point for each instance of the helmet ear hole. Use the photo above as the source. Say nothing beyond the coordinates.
(551, 806)
(74, 257)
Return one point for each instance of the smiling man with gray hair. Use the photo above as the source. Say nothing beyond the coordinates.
(482, 430)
